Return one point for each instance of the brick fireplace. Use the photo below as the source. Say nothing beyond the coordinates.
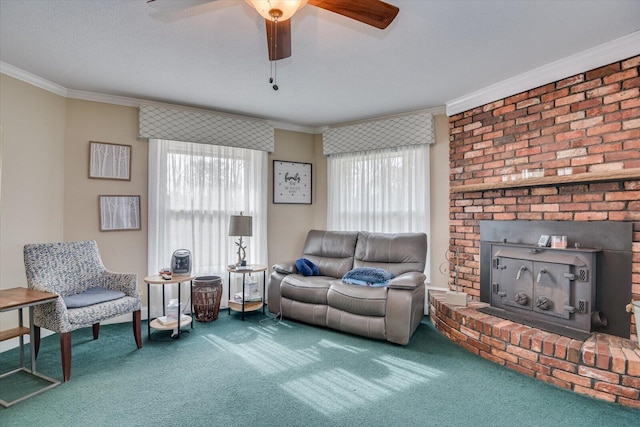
(589, 122)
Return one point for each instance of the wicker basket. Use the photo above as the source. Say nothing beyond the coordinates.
(207, 293)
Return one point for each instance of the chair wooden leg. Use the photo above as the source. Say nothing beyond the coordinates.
(36, 340)
(96, 330)
(137, 322)
(65, 350)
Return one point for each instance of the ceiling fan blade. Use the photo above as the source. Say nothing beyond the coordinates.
(278, 39)
(371, 12)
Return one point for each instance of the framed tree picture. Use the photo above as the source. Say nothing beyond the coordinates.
(291, 182)
(119, 213)
(109, 161)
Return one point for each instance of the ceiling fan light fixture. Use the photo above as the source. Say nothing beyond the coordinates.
(277, 10)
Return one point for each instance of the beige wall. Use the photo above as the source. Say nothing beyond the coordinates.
(31, 208)
(93, 121)
(47, 195)
(439, 174)
(127, 250)
(61, 201)
(320, 189)
(288, 224)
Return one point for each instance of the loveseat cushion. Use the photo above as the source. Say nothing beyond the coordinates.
(367, 326)
(398, 253)
(309, 289)
(331, 251)
(361, 300)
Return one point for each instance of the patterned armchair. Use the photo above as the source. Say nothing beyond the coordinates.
(71, 269)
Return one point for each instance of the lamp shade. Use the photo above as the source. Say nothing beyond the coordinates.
(280, 9)
(240, 225)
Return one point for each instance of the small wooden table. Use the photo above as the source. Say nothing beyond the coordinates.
(154, 323)
(246, 306)
(17, 299)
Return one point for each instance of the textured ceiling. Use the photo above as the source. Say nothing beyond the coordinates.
(214, 56)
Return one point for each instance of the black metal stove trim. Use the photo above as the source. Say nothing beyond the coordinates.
(614, 264)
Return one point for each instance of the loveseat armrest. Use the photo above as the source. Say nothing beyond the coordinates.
(273, 291)
(409, 280)
(288, 267)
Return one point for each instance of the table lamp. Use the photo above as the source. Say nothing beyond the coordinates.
(240, 226)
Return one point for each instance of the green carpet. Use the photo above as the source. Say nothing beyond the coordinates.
(230, 372)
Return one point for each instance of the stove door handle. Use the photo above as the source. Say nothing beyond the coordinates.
(569, 308)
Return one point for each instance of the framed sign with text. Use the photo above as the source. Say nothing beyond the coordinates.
(291, 182)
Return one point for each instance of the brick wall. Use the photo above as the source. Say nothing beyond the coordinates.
(589, 121)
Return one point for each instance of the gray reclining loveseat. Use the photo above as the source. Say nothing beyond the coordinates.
(391, 312)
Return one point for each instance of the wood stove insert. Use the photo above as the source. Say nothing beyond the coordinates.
(572, 292)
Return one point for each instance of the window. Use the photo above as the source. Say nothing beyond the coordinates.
(193, 189)
(380, 191)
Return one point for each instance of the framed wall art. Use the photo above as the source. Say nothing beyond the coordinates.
(291, 182)
(109, 161)
(119, 213)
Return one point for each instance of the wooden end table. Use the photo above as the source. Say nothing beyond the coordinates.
(154, 323)
(246, 306)
(17, 299)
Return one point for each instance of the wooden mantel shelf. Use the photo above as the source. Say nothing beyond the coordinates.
(590, 177)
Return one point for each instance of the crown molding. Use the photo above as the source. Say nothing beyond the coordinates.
(432, 110)
(139, 102)
(616, 50)
(125, 101)
(32, 79)
(295, 128)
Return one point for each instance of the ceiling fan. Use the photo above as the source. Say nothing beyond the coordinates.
(277, 14)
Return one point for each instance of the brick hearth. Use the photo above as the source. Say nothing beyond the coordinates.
(603, 366)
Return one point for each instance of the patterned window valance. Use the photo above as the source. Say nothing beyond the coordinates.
(204, 127)
(413, 129)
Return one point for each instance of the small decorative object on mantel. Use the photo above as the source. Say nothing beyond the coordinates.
(635, 307)
(453, 261)
(109, 161)
(291, 182)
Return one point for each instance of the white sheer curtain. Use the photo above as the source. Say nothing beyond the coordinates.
(193, 189)
(380, 191)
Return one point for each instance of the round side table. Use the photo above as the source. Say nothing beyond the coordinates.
(246, 306)
(154, 323)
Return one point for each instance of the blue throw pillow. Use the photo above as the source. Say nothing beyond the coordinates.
(306, 267)
(368, 276)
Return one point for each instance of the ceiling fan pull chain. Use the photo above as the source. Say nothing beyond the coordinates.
(270, 44)
(275, 50)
